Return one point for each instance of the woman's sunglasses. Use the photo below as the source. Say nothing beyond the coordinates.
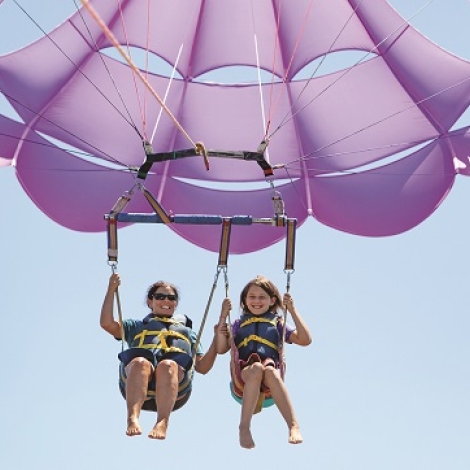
(159, 296)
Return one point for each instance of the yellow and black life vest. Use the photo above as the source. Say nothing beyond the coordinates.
(258, 334)
(162, 338)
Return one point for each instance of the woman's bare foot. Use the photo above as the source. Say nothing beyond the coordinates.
(294, 435)
(159, 430)
(133, 427)
(246, 440)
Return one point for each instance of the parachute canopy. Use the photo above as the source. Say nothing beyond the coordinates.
(368, 149)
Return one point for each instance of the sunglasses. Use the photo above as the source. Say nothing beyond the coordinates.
(159, 296)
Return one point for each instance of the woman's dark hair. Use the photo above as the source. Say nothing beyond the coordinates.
(153, 288)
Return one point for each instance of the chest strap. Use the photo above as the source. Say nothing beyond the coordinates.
(162, 337)
(258, 339)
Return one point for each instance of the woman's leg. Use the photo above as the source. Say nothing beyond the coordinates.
(138, 373)
(168, 375)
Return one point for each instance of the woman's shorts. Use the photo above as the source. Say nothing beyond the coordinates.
(184, 389)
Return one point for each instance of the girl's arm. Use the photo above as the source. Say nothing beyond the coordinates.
(107, 321)
(301, 335)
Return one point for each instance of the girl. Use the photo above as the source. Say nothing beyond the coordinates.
(256, 340)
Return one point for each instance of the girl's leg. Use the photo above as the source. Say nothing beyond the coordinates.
(138, 373)
(273, 380)
(168, 375)
(252, 377)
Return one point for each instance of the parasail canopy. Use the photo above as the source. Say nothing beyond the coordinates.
(368, 149)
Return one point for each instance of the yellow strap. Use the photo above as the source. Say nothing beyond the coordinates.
(259, 320)
(162, 335)
(167, 320)
(258, 339)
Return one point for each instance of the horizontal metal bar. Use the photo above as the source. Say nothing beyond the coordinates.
(194, 219)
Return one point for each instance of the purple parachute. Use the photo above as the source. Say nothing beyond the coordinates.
(368, 150)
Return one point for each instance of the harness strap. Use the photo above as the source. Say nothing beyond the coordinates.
(199, 149)
(112, 238)
(224, 242)
(156, 206)
(258, 339)
(112, 219)
(162, 336)
(290, 245)
(166, 320)
(258, 320)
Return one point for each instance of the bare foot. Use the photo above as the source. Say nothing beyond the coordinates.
(159, 430)
(294, 435)
(133, 427)
(246, 440)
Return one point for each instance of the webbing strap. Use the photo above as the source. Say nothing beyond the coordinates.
(258, 320)
(258, 156)
(290, 245)
(112, 219)
(162, 336)
(112, 239)
(151, 158)
(156, 206)
(288, 269)
(258, 339)
(224, 242)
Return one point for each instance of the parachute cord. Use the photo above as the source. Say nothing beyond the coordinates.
(275, 50)
(258, 70)
(49, 36)
(282, 355)
(204, 318)
(272, 107)
(226, 281)
(260, 87)
(167, 91)
(228, 315)
(288, 118)
(221, 266)
(115, 42)
(118, 302)
(142, 106)
(129, 118)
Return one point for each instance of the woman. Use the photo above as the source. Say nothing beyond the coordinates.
(156, 371)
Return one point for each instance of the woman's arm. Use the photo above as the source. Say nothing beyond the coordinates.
(107, 321)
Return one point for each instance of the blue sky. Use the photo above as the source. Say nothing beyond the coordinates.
(385, 384)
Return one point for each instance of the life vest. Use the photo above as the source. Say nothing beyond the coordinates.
(255, 334)
(258, 334)
(162, 338)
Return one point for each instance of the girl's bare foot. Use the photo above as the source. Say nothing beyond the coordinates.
(159, 430)
(133, 427)
(246, 440)
(294, 435)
